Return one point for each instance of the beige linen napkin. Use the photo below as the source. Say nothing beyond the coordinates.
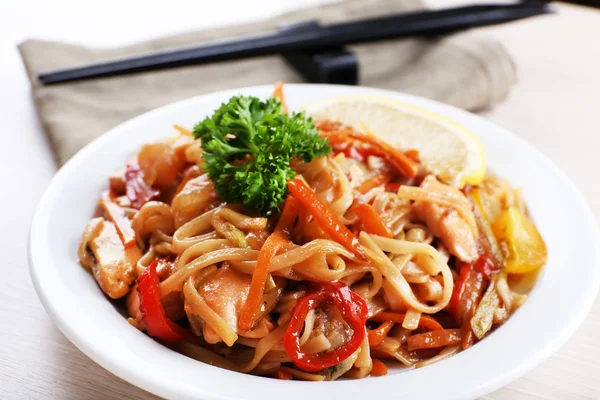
(464, 70)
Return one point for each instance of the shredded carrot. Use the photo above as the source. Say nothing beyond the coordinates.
(371, 221)
(328, 126)
(377, 335)
(283, 375)
(373, 182)
(259, 278)
(412, 154)
(425, 321)
(183, 130)
(404, 164)
(437, 338)
(288, 216)
(326, 219)
(379, 368)
(117, 215)
(278, 94)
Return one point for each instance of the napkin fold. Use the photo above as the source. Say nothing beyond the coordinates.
(464, 70)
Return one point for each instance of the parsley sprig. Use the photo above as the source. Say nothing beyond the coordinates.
(248, 146)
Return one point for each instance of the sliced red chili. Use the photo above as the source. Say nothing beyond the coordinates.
(153, 313)
(467, 292)
(352, 308)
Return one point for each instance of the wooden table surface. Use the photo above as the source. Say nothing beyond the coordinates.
(555, 106)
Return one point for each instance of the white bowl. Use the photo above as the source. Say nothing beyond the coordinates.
(558, 303)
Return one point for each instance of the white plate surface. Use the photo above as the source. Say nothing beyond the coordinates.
(558, 303)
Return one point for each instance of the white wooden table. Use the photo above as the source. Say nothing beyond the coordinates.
(555, 106)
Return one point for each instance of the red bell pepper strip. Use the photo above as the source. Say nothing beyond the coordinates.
(153, 313)
(467, 292)
(328, 221)
(371, 221)
(138, 191)
(352, 308)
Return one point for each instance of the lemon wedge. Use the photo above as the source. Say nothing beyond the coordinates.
(446, 149)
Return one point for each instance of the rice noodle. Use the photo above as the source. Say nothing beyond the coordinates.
(209, 253)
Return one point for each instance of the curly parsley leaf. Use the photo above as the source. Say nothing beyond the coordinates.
(248, 146)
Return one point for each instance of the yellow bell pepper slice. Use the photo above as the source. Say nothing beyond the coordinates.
(522, 245)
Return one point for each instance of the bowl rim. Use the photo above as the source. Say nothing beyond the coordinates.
(120, 366)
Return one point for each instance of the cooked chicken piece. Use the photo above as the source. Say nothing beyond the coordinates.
(196, 197)
(111, 263)
(161, 164)
(225, 292)
(446, 223)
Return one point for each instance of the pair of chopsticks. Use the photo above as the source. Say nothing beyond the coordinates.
(313, 38)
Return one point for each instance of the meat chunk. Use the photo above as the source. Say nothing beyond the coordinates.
(225, 292)
(446, 223)
(112, 265)
(161, 164)
(197, 196)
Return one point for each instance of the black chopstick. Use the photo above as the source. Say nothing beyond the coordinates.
(315, 37)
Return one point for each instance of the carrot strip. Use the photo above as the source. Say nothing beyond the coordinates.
(328, 126)
(404, 164)
(283, 375)
(438, 338)
(377, 335)
(259, 278)
(182, 130)
(326, 219)
(278, 94)
(379, 368)
(371, 220)
(288, 216)
(373, 182)
(412, 154)
(425, 321)
(117, 215)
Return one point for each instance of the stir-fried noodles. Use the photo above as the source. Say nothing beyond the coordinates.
(369, 261)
